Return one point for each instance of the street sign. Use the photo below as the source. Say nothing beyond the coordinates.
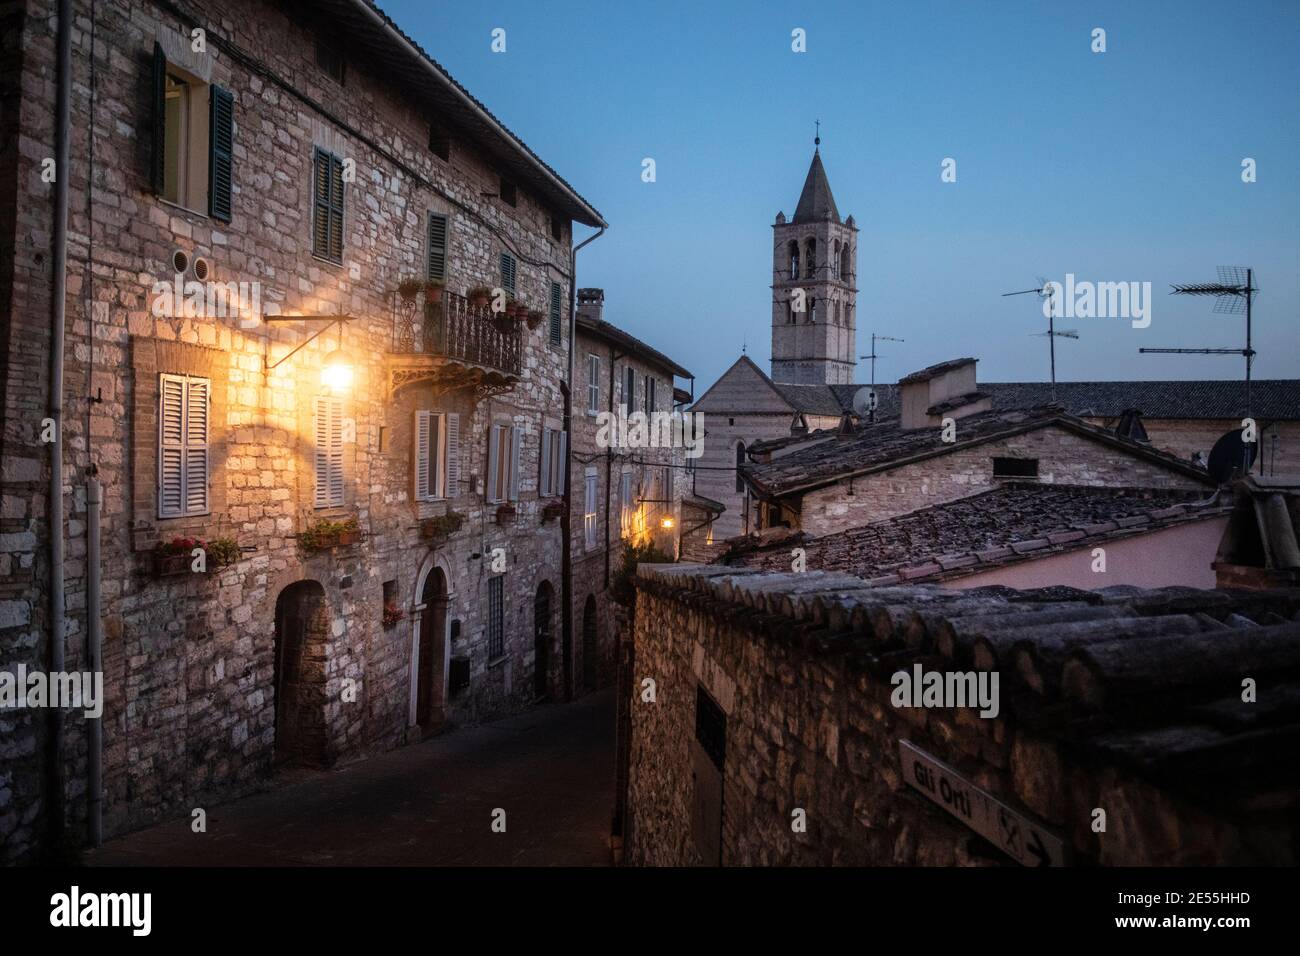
(1023, 839)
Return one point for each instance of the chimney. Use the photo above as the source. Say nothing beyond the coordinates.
(946, 390)
(591, 303)
(1130, 426)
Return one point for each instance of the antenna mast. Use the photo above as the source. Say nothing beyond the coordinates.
(1048, 292)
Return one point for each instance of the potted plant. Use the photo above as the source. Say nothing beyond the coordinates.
(442, 526)
(534, 319)
(478, 296)
(222, 552)
(433, 291)
(325, 534)
(505, 513)
(552, 509)
(349, 531)
(408, 289)
(174, 557)
(392, 615)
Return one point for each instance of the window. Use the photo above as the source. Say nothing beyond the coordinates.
(844, 263)
(593, 383)
(327, 206)
(329, 452)
(589, 508)
(508, 272)
(550, 479)
(649, 394)
(555, 313)
(627, 506)
(193, 140)
(509, 195)
(437, 455)
(1015, 467)
(740, 460)
(503, 464)
(330, 60)
(809, 258)
(812, 310)
(183, 445)
(439, 142)
(435, 266)
(557, 228)
(794, 260)
(629, 387)
(496, 617)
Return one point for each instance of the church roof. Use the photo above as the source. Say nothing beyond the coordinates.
(816, 202)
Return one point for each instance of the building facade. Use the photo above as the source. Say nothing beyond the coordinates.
(266, 200)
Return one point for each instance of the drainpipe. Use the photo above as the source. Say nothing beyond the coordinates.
(566, 519)
(609, 461)
(95, 641)
(58, 306)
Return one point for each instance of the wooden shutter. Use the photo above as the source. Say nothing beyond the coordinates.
(336, 208)
(327, 206)
(437, 247)
(593, 382)
(329, 452)
(555, 313)
(544, 465)
(508, 272)
(196, 446)
(453, 454)
(158, 144)
(562, 466)
(494, 452)
(221, 143)
(171, 446)
(516, 441)
(420, 492)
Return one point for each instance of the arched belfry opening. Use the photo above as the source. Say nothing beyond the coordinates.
(302, 632)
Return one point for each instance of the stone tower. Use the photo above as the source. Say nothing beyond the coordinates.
(817, 253)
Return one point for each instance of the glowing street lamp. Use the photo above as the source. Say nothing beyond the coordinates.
(666, 523)
(336, 369)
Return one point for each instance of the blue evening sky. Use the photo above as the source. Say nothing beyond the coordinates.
(1124, 165)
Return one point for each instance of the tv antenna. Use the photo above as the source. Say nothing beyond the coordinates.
(1233, 295)
(873, 356)
(1048, 292)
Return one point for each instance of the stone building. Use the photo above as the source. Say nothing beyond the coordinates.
(263, 198)
(865, 472)
(621, 493)
(1129, 727)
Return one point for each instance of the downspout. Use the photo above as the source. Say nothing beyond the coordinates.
(58, 309)
(609, 461)
(566, 519)
(95, 640)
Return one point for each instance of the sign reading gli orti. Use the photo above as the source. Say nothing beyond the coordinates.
(1023, 839)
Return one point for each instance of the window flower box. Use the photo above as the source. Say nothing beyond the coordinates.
(506, 513)
(175, 557)
(534, 319)
(393, 615)
(552, 510)
(442, 526)
(325, 534)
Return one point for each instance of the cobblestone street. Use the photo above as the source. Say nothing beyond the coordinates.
(429, 804)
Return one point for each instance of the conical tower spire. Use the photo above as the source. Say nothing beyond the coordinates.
(816, 202)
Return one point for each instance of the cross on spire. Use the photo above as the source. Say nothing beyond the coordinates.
(817, 139)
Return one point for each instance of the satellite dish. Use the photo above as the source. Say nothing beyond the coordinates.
(1230, 454)
(864, 401)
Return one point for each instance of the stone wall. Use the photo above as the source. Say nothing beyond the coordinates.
(189, 661)
(1063, 457)
(801, 665)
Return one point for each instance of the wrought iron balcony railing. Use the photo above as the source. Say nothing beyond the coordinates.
(455, 329)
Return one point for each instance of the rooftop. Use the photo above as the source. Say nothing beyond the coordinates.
(1005, 525)
(822, 458)
(629, 343)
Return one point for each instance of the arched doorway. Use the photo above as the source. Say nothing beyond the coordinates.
(302, 627)
(589, 651)
(431, 652)
(542, 641)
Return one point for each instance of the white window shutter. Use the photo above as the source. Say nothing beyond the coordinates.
(544, 465)
(421, 470)
(329, 451)
(494, 452)
(171, 446)
(453, 454)
(196, 446)
(516, 436)
(322, 452)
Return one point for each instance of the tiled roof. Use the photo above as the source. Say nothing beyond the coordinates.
(1006, 525)
(883, 445)
(1146, 680)
(1271, 399)
(816, 202)
(925, 374)
(612, 333)
(811, 399)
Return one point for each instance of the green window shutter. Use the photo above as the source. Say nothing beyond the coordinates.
(508, 272)
(555, 313)
(336, 209)
(437, 246)
(327, 206)
(221, 141)
(158, 145)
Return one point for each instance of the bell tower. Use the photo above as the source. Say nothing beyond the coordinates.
(817, 253)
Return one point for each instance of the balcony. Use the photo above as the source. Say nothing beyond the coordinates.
(454, 345)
